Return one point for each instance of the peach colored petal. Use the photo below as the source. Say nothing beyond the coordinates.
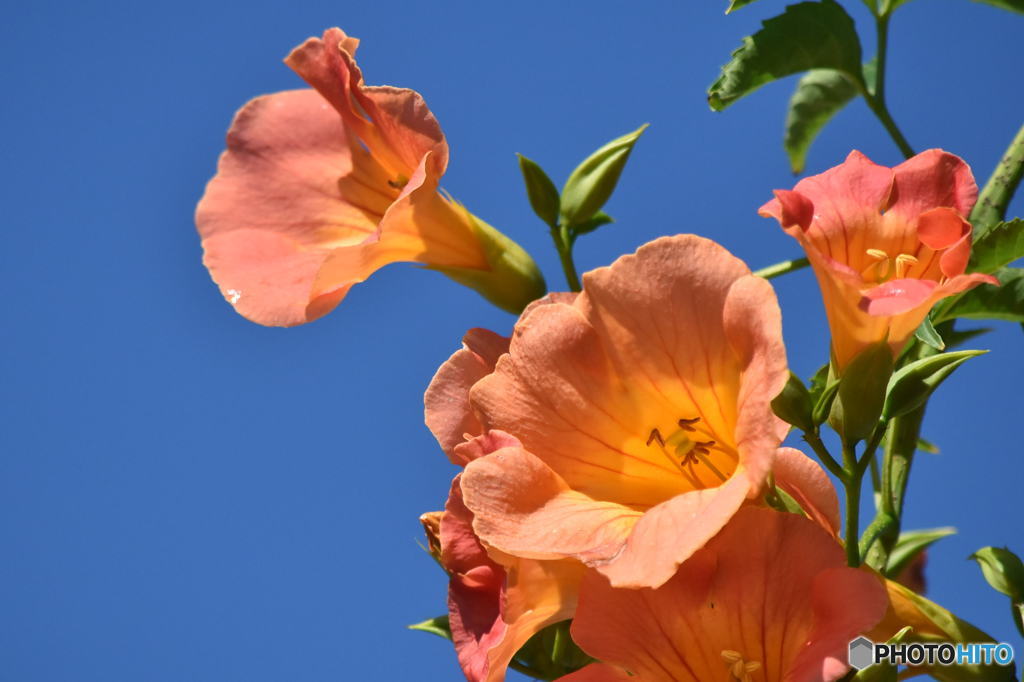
(478, 446)
(668, 534)
(475, 591)
(897, 296)
(598, 672)
(522, 507)
(760, 589)
(447, 411)
(806, 482)
(753, 329)
(930, 179)
(538, 594)
(496, 606)
(846, 603)
(274, 210)
(394, 123)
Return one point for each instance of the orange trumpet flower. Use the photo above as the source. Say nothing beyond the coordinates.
(769, 599)
(641, 406)
(885, 243)
(320, 188)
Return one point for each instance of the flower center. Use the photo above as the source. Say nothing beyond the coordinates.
(739, 667)
(400, 182)
(685, 453)
(884, 267)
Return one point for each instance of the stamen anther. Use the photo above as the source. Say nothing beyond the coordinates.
(687, 424)
(904, 262)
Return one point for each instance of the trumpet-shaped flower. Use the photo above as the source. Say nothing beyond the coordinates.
(497, 602)
(319, 188)
(641, 406)
(885, 243)
(769, 599)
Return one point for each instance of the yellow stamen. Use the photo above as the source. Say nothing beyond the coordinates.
(875, 269)
(739, 668)
(904, 261)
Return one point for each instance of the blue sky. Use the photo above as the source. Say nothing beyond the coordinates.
(187, 496)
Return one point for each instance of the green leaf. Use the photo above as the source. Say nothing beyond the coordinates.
(998, 247)
(927, 446)
(1012, 5)
(540, 190)
(912, 384)
(987, 302)
(955, 630)
(597, 220)
(436, 626)
(1003, 570)
(594, 180)
(883, 672)
(958, 337)
(736, 4)
(819, 96)
(862, 391)
(890, 6)
(823, 387)
(910, 544)
(926, 334)
(808, 35)
(793, 405)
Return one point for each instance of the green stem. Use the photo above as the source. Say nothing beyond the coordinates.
(852, 483)
(900, 455)
(868, 455)
(782, 268)
(814, 440)
(995, 197)
(563, 243)
(876, 99)
(876, 480)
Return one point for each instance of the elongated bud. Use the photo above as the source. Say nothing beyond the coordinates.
(861, 394)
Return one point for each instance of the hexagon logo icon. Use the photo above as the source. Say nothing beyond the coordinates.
(861, 653)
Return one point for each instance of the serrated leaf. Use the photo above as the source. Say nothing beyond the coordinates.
(593, 181)
(926, 334)
(910, 544)
(436, 626)
(808, 35)
(819, 96)
(1012, 5)
(736, 4)
(987, 302)
(998, 247)
(912, 384)
(541, 192)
